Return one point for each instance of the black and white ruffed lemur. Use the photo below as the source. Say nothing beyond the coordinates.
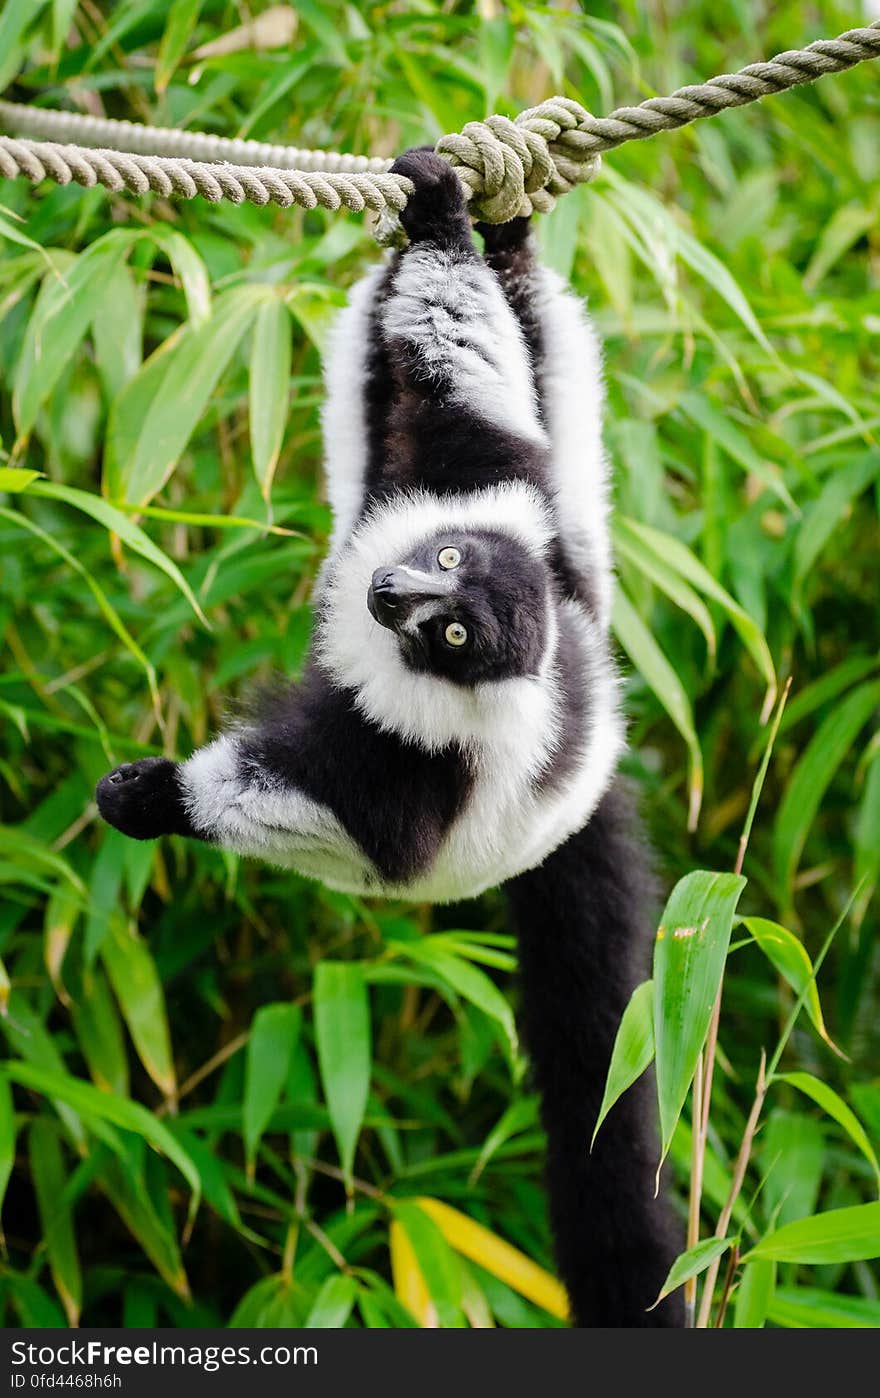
(457, 726)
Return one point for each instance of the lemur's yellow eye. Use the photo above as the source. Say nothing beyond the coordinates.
(455, 633)
(449, 558)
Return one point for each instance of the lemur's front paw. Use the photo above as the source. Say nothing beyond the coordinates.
(437, 209)
(144, 799)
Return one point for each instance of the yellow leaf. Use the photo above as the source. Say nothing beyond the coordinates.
(409, 1284)
(505, 1262)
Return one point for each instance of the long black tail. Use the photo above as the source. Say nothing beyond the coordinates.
(582, 920)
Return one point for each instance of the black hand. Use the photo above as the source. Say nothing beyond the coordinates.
(437, 210)
(144, 799)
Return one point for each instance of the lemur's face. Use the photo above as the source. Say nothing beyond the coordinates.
(467, 605)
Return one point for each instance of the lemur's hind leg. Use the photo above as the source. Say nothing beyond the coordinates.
(567, 367)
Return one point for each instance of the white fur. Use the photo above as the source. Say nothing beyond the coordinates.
(344, 415)
(574, 400)
(453, 316)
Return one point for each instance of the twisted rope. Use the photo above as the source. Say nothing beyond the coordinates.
(509, 168)
(184, 179)
(41, 124)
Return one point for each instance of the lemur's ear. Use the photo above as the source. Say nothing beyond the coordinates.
(437, 210)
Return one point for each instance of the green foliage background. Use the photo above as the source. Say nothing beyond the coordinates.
(274, 1040)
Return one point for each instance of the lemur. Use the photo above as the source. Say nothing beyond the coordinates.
(457, 725)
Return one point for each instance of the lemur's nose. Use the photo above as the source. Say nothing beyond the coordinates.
(394, 592)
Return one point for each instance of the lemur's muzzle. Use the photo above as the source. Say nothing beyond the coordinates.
(394, 593)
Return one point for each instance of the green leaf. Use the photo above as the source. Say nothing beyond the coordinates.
(154, 417)
(436, 1262)
(467, 980)
(190, 269)
(56, 1216)
(333, 1304)
(66, 307)
(813, 774)
(16, 16)
(342, 1036)
(7, 1138)
(689, 956)
(633, 1049)
(108, 611)
(754, 1295)
(133, 1205)
(269, 389)
(106, 1106)
(791, 959)
(827, 513)
(656, 569)
(99, 1033)
(846, 226)
(117, 331)
(14, 479)
(867, 870)
(138, 989)
(679, 557)
(661, 678)
(792, 1160)
(692, 1263)
(272, 1040)
(835, 1107)
(118, 523)
(720, 428)
(805, 1308)
(182, 18)
(840, 1235)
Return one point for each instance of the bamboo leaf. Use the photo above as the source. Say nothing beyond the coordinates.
(633, 1049)
(138, 990)
(89, 1101)
(409, 1284)
(154, 417)
(467, 980)
(689, 956)
(342, 1036)
(56, 1216)
(273, 1038)
(269, 389)
(505, 1262)
(333, 1304)
(435, 1261)
(806, 1308)
(692, 1263)
(840, 1235)
(791, 959)
(835, 1107)
(658, 674)
(754, 1295)
(66, 307)
(182, 18)
(813, 774)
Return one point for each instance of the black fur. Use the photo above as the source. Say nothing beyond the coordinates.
(584, 942)
(394, 799)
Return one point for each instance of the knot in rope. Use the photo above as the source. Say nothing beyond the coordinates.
(514, 168)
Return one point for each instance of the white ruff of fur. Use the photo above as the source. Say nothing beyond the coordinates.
(365, 657)
(452, 315)
(574, 398)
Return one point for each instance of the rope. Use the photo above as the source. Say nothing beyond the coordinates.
(509, 168)
(172, 175)
(41, 124)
